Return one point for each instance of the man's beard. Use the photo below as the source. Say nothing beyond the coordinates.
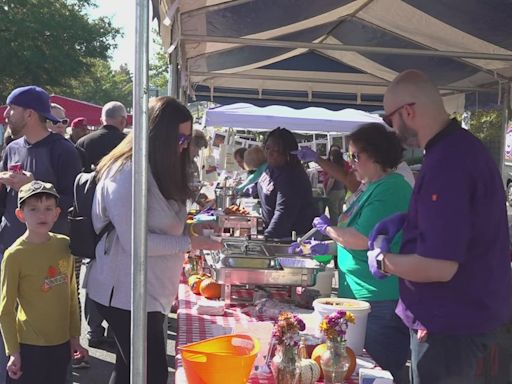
(16, 129)
(407, 135)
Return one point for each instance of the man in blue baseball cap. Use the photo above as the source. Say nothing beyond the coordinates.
(37, 154)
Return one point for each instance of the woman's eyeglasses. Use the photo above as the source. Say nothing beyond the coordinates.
(184, 139)
(351, 157)
(387, 118)
(63, 122)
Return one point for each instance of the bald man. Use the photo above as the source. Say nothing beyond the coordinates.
(454, 263)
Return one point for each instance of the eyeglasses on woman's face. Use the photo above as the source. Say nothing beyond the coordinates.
(184, 139)
(352, 157)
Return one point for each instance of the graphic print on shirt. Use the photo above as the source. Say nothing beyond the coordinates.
(56, 275)
(266, 183)
(345, 216)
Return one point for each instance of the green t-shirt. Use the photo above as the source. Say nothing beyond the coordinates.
(382, 198)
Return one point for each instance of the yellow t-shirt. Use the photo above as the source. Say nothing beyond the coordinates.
(41, 279)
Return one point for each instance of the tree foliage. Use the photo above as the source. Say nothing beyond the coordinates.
(100, 84)
(49, 43)
(487, 125)
(158, 66)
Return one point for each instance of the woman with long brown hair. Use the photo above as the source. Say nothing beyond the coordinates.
(108, 280)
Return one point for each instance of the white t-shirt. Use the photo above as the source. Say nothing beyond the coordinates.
(404, 169)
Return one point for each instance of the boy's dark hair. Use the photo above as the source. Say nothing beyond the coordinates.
(240, 152)
(40, 197)
(378, 143)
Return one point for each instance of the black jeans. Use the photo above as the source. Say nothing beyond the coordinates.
(43, 364)
(120, 322)
(447, 359)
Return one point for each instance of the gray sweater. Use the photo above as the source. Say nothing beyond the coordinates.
(108, 280)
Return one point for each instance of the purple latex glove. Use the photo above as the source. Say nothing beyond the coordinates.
(321, 223)
(306, 154)
(315, 248)
(372, 264)
(251, 190)
(388, 228)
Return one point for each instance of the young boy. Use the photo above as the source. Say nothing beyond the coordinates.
(39, 314)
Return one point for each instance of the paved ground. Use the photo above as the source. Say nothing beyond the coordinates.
(102, 361)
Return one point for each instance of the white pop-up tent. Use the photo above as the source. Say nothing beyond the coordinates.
(313, 119)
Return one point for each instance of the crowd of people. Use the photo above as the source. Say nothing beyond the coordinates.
(430, 255)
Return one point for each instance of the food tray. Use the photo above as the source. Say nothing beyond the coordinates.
(297, 263)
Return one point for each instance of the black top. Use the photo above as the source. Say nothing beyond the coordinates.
(286, 201)
(96, 145)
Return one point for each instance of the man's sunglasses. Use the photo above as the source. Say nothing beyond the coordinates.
(184, 139)
(387, 118)
(63, 121)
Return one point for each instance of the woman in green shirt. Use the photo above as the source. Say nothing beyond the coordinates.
(374, 153)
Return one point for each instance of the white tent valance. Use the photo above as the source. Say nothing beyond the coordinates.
(247, 116)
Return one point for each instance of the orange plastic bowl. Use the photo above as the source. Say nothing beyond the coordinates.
(220, 360)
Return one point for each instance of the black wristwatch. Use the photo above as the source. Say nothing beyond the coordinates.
(380, 262)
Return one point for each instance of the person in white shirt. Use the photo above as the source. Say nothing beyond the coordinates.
(108, 280)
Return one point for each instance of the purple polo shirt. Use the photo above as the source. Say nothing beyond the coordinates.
(457, 212)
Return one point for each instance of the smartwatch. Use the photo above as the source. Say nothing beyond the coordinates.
(380, 262)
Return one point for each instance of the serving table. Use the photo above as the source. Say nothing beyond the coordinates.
(193, 327)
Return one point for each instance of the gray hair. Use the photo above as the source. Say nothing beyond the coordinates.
(113, 110)
(57, 106)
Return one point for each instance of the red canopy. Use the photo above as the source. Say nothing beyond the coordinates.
(74, 108)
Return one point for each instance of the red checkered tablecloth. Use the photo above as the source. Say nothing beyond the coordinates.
(193, 327)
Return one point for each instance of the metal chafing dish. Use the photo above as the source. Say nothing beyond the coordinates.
(256, 263)
(239, 225)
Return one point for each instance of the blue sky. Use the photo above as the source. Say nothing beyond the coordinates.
(122, 14)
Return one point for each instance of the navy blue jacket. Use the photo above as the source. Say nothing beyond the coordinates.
(286, 201)
(53, 159)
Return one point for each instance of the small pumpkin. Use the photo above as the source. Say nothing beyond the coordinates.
(210, 289)
(194, 282)
(309, 372)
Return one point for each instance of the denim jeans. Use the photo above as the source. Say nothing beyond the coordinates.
(447, 359)
(387, 338)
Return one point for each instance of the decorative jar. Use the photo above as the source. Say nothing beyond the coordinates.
(335, 361)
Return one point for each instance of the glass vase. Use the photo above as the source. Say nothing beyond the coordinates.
(335, 362)
(286, 365)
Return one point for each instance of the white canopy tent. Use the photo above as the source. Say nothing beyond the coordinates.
(312, 119)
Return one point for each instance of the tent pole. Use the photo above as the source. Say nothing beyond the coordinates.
(324, 80)
(138, 341)
(342, 47)
(505, 119)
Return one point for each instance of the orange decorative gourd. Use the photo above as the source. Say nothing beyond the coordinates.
(210, 289)
(321, 348)
(194, 282)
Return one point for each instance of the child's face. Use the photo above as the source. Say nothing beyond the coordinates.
(39, 213)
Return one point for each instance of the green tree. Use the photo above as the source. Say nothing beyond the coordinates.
(100, 84)
(158, 65)
(487, 125)
(50, 42)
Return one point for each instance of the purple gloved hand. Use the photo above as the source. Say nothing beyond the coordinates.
(306, 154)
(315, 248)
(388, 228)
(251, 190)
(372, 264)
(321, 223)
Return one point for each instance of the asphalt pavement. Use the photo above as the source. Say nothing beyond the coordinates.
(102, 361)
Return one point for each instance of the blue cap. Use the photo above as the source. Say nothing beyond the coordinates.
(32, 97)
